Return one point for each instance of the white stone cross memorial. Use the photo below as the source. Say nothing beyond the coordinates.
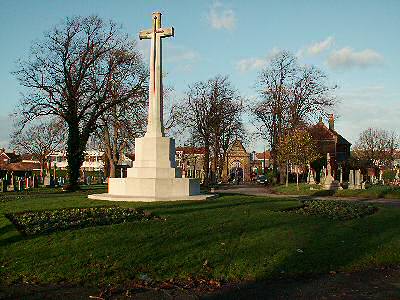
(156, 33)
(153, 176)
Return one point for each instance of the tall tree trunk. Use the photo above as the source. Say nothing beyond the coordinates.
(282, 173)
(74, 155)
(206, 163)
(287, 174)
(216, 160)
(112, 169)
(42, 165)
(106, 165)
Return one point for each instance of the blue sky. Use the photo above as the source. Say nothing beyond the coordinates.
(355, 42)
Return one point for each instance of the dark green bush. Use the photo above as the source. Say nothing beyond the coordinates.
(389, 175)
(338, 210)
(47, 221)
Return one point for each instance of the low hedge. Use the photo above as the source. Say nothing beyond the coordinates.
(47, 221)
(335, 209)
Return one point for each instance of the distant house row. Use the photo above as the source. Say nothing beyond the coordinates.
(239, 162)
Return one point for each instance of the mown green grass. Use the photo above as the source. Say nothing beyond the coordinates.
(229, 238)
(378, 191)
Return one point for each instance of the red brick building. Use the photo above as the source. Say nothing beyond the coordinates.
(330, 141)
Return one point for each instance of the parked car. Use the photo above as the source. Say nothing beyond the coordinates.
(262, 179)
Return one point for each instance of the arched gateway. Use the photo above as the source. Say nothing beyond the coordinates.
(237, 165)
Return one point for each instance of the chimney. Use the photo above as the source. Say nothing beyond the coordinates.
(331, 122)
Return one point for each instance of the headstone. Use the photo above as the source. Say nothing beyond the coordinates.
(363, 185)
(52, 182)
(330, 182)
(351, 180)
(311, 176)
(322, 176)
(153, 176)
(46, 181)
(357, 179)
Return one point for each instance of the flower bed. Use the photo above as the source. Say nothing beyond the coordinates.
(338, 210)
(47, 221)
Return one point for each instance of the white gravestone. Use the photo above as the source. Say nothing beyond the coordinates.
(330, 182)
(357, 180)
(311, 179)
(154, 176)
(351, 180)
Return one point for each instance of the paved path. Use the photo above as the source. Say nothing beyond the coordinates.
(257, 190)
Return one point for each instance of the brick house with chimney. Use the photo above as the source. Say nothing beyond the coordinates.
(330, 141)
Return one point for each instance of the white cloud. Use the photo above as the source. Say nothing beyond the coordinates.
(220, 17)
(180, 59)
(347, 58)
(180, 56)
(248, 64)
(176, 53)
(256, 63)
(319, 47)
(379, 110)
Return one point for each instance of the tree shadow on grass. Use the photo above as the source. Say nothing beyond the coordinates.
(345, 246)
(15, 235)
(183, 208)
(323, 193)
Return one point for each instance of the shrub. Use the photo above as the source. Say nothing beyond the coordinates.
(389, 175)
(47, 221)
(338, 210)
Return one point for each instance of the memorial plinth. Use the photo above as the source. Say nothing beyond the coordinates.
(153, 176)
(330, 182)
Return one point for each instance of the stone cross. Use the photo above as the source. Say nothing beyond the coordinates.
(156, 33)
(328, 165)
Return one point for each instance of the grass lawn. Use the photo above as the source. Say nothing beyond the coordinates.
(229, 238)
(377, 191)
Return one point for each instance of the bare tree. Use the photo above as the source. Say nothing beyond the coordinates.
(212, 111)
(125, 121)
(376, 147)
(275, 81)
(70, 74)
(310, 96)
(291, 96)
(118, 129)
(39, 140)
